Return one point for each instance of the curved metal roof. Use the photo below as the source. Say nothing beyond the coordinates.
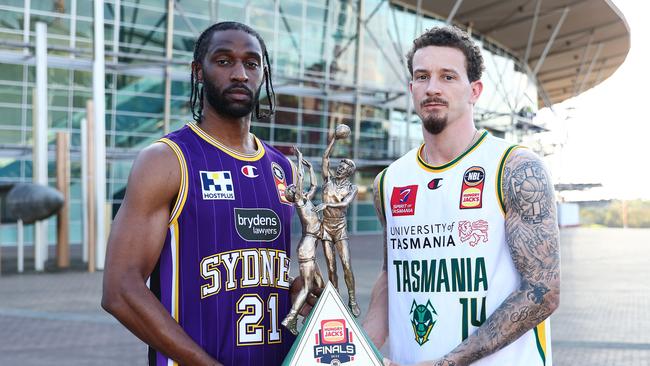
(592, 37)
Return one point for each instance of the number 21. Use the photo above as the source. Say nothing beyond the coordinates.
(249, 329)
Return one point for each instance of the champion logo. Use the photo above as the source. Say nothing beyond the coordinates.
(249, 171)
(435, 183)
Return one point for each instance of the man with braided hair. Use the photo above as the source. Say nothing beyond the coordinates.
(198, 257)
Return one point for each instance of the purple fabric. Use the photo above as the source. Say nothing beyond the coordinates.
(207, 228)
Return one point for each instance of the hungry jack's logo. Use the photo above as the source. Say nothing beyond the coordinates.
(402, 200)
(280, 182)
(471, 194)
(334, 343)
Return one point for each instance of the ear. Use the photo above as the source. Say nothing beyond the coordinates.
(477, 89)
(411, 86)
(197, 70)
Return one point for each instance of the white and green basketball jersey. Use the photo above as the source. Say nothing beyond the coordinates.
(448, 263)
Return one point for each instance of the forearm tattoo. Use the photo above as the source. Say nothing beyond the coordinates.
(533, 238)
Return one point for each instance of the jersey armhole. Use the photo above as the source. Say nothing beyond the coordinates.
(499, 183)
(181, 197)
(381, 192)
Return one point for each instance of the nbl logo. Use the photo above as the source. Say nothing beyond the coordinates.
(217, 185)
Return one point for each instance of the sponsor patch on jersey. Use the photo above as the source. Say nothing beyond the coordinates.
(473, 231)
(423, 318)
(435, 183)
(257, 224)
(249, 171)
(280, 182)
(402, 200)
(334, 343)
(217, 185)
(471, 194)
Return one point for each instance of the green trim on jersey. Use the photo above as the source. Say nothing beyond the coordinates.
(381, 192)
(499, 186)
(539, 347)
(453, 162)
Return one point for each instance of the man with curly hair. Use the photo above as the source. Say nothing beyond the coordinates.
(443, 297)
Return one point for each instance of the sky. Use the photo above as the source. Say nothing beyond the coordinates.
(605, 130)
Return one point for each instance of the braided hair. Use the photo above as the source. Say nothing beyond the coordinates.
(201, 48)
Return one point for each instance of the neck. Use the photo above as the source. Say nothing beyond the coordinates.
(232, 132)
(450, 143)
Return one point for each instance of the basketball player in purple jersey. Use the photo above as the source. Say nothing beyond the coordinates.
(198, 257)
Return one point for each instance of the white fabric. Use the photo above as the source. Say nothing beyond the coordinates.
(459, 239)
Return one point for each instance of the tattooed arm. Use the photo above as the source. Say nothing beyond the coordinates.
(533, 238)
(376, 321)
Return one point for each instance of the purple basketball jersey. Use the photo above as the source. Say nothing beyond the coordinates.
(223, 273)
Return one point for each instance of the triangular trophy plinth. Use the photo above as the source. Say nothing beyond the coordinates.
(332, 336)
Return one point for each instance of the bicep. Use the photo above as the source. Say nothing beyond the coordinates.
(140, 226)
(531, 221)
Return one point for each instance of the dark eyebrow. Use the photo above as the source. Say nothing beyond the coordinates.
(420, 70)
(229, 50)
(450, 70)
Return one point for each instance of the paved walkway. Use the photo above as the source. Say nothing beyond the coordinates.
(55, 318)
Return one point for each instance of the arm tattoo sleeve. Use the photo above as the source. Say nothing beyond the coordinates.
(533, 238)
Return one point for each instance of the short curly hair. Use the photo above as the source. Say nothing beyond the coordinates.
(451, 36)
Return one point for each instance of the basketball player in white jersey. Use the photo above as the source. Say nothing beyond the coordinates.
(471, 267)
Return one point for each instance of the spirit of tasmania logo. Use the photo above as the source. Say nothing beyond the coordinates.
(402, 200)
(334, 344)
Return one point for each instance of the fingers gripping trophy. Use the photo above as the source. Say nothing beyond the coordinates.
(338, 193)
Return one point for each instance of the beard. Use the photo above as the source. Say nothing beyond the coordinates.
(435, 124)
(217, 98)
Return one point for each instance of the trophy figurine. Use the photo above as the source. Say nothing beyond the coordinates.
(311, 227)
(331, 334)
(338, 193)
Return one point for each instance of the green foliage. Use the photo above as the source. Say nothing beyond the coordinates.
(611, 214)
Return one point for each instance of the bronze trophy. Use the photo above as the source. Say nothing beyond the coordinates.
(331, 334)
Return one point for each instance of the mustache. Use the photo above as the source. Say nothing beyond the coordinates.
(240, 87)
(436, 100)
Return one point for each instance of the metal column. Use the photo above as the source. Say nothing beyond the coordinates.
(39, 160)
(100, 132)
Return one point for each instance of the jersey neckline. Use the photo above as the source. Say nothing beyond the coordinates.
(219, 145)
(451, 164)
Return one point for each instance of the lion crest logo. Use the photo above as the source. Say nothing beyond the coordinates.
(474, 232)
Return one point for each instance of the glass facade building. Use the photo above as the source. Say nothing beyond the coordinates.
(333, 61)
